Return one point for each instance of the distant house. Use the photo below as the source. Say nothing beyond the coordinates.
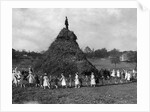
(25, 55)
(124, 57)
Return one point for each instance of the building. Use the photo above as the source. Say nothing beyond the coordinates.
(124, 57)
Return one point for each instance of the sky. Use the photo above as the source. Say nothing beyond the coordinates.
(34, 29)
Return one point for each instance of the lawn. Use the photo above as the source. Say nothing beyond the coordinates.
(105, 63)
(108, 94)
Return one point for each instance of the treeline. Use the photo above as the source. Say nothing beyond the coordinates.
(18, 55)
(130, 56)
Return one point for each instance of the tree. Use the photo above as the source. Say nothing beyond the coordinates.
(101, 53)
(132, 57)
(87, 50)
(115, 56)
(14, 54)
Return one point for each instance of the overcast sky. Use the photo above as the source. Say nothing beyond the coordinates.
(35, 29)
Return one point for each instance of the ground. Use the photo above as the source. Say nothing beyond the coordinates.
(107, 94)
(105, 63)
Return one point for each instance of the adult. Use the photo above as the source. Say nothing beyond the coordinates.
(50, 80)
(23, 81)
(37, 81)
(66, 23)
(41, 81)
(56, 80)
(70, 81)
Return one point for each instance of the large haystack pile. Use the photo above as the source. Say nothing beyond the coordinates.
(65, 56)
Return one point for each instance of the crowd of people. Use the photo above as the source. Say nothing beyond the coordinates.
(30, 79)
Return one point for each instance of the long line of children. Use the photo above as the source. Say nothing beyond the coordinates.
(44, 81)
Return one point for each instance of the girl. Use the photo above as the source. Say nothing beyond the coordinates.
(14, 78)
(30, 78)
(92, 80)
(63, 81)
(77, 83)
(46, 81)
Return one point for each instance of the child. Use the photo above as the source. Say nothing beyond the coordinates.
(77, 81)
(92, 80)
(70, 81)
(30, 78)
(46, 81)
(86, 80)
(63, 81)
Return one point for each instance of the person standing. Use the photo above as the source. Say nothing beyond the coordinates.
(77, 83)
(14, 78)
(41, 81)
(30, 78)
(70, 80)
(37, 81)
(50, 80)
(118, 76)
(63, 81)
(56, 80)
(86, 80)
(66, 23)
(129, 76)
(46, 81)
(126, 75)
(93, 83)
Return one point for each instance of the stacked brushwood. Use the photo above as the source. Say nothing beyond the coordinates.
(64, 56)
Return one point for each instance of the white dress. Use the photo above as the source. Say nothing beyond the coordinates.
(31, 78)
(113, 73)
(118, 73)
(92, 80)
(76, 80)
(129, 77)
(18, 77)
(63, 82)
(46, 81)
(14, 79)
(126, 75)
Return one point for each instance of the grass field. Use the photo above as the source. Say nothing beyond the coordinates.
(105, 63)
(108, 94)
